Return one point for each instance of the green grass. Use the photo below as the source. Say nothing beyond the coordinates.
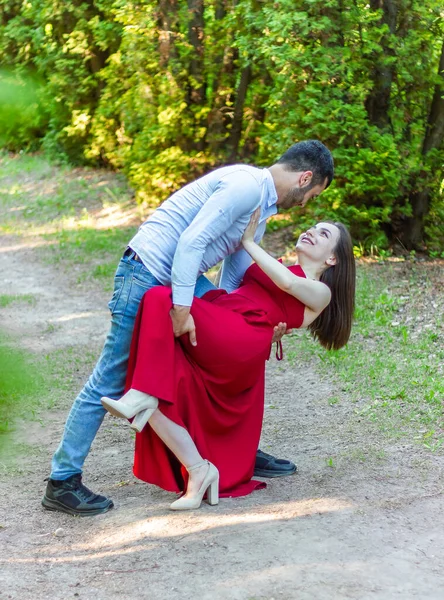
(6, 300)
(86, 244)
(391, 368)
(96, 252)
(31, 383)
(45, 194)
(36, 195)
(22, 381)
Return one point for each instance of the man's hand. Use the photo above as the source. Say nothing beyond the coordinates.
(183, 322)
(279, 331)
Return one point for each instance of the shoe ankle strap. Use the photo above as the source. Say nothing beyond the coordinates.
(197, 465)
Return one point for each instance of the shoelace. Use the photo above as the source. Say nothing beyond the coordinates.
(83, 492)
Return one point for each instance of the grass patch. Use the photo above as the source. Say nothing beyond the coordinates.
(392, 367)
(6, 300)
(21, 383)
(97, 252)
(13, 165)
(66, 207)
(49, 195)
(30, 384)
(88, 244)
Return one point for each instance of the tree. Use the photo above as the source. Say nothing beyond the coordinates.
(166, 90)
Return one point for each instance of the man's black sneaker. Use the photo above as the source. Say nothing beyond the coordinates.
(267, 465)
(72, 497)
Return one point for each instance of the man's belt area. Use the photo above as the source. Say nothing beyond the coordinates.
(130, 252)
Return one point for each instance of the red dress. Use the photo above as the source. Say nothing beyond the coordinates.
(215, 389)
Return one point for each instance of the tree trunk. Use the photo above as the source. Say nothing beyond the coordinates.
(259, 113)
(167, 21)
(412, 234)
(236, 128)
(224, 68)
(196, 90)
(378, 101)
(435, 123)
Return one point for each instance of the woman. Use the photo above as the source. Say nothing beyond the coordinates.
(207, 400)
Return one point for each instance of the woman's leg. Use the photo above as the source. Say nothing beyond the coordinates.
(182, 446)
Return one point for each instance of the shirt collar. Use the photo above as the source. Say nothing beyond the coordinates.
(269, 196)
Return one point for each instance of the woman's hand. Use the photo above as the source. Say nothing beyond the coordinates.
(251, 227)
(279, 331)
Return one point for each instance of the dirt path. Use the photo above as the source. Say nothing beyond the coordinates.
(368, 527)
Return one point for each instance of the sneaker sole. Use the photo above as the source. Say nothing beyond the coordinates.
(56, 506)
(269, 474)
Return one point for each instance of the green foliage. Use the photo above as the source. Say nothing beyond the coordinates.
(21, 114)
(165, 91)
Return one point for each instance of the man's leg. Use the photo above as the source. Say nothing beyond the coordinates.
(65, 492)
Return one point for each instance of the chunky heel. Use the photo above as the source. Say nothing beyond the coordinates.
(210, 484)
(141, 419)
(213, 493)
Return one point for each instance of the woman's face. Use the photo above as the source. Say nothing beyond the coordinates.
(319, 242)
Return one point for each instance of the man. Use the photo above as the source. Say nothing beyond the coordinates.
(190, 232)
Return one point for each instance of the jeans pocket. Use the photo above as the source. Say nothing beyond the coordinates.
(138, 290)
(118, 287)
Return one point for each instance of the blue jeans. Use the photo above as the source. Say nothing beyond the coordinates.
(131, 281)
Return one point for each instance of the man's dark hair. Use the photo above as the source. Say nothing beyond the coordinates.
(310, 155)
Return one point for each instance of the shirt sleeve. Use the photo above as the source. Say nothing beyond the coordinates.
(235, 265)
(236, 195)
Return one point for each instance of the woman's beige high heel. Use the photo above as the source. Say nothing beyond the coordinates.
(210, 484)
(132, 404)
(141, 419)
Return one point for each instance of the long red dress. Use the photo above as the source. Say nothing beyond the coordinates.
(215, 389)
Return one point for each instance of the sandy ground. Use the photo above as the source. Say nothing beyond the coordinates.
(369, 527)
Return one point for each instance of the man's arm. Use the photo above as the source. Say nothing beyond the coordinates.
(234, 197)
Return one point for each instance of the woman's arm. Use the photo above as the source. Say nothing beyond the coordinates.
(314, 294)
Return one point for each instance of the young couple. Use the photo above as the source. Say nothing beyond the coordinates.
(194, 370)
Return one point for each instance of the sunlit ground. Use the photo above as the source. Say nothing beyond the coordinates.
(112, 538)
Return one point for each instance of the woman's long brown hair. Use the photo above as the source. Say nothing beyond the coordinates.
(333, 326)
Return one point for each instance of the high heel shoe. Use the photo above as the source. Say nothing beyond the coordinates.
(131, 405)
(210, 484)
(141, 419)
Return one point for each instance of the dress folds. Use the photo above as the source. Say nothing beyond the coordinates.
(215, 389)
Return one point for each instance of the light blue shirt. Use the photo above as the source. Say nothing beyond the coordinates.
(202, 224)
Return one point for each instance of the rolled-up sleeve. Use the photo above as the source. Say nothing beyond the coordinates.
(235, 195)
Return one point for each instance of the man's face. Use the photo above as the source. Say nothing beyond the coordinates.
(299, 196)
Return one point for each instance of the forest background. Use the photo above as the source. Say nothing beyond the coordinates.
(162, 92)
(166, 90)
